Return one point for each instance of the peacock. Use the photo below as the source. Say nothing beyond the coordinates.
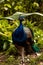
(22, 38)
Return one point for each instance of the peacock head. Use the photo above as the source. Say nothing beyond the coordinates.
(21, 18)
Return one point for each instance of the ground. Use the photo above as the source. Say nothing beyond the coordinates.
(29, 59)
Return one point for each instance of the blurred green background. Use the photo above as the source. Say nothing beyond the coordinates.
(35, 22)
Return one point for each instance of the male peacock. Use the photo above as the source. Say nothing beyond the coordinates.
(23, 39)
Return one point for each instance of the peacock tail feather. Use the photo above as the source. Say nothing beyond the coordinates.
(35, 47)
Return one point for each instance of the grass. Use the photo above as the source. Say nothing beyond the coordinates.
(11, 60)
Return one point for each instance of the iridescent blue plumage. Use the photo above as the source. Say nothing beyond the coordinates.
(22, 38)
(19, 35)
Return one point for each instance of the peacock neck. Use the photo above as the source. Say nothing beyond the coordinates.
(20, 22)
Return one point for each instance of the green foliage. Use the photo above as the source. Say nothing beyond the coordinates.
(5, 34)
(38, 33)
(6, 30)
(39, 37)
(35, 22)
(9, 7)
(40, 58)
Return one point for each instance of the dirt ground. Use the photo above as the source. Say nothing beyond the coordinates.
(29, 59)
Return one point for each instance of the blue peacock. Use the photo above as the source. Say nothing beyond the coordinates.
(23, 39)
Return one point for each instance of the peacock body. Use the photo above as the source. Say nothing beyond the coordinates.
(23, 40)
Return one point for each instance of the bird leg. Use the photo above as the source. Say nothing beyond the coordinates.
(23, 56)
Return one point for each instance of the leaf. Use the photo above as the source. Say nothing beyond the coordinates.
(16, 15)
(1, 1)
(4, 46)
(8, 5)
